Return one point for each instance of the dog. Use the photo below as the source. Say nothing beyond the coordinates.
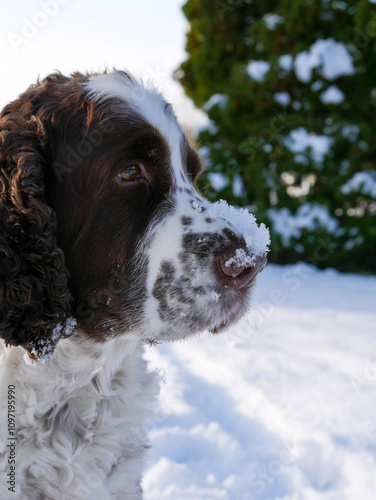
(105, 245)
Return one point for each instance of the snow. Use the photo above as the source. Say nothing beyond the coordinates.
(308, 216)
(237, 186)
(44, 348)
(218, 181)
(241, 258)
(258, 69)
(281, 407)
(282, 98)
(350, 244)
(286, 61)
(351, 132)
(219, 100)
(365, 182)
(256, 237)
(300, 139)
(332, 95)
(330, 56)
(317, 85)
(209, 126)
(272, 20)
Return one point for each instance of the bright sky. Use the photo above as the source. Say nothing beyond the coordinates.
(146, 37)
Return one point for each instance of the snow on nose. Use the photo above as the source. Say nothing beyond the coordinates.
(243, 223)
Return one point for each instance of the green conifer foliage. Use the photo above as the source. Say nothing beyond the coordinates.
(290, 90)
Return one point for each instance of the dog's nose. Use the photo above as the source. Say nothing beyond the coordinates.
(237, 265)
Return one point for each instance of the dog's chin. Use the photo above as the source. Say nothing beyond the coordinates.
(222, 327)
(229, 308)
(235, 312)
(225, 325)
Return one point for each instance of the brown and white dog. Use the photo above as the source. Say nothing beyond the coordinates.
(104, 244)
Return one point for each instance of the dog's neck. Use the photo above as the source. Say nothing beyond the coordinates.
(89, 400)
(75, 364)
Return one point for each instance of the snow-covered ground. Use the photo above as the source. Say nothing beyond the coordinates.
(280, 407)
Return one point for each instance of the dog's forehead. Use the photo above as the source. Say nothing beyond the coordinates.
(147, 102)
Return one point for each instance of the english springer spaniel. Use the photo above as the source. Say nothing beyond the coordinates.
(104, 244)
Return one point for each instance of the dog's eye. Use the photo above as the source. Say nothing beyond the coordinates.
(131, 173)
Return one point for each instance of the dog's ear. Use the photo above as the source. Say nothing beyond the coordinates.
(34, 295)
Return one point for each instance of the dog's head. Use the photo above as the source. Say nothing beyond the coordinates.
(100, 220)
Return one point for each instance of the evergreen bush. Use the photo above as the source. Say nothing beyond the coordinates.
(289, 87)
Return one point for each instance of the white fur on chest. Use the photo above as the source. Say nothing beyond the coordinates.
(81, 420)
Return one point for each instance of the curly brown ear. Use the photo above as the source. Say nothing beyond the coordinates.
(34, 295)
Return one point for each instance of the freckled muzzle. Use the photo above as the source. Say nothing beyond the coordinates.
(203, 262)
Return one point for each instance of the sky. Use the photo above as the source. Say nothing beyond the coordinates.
(146, 37)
